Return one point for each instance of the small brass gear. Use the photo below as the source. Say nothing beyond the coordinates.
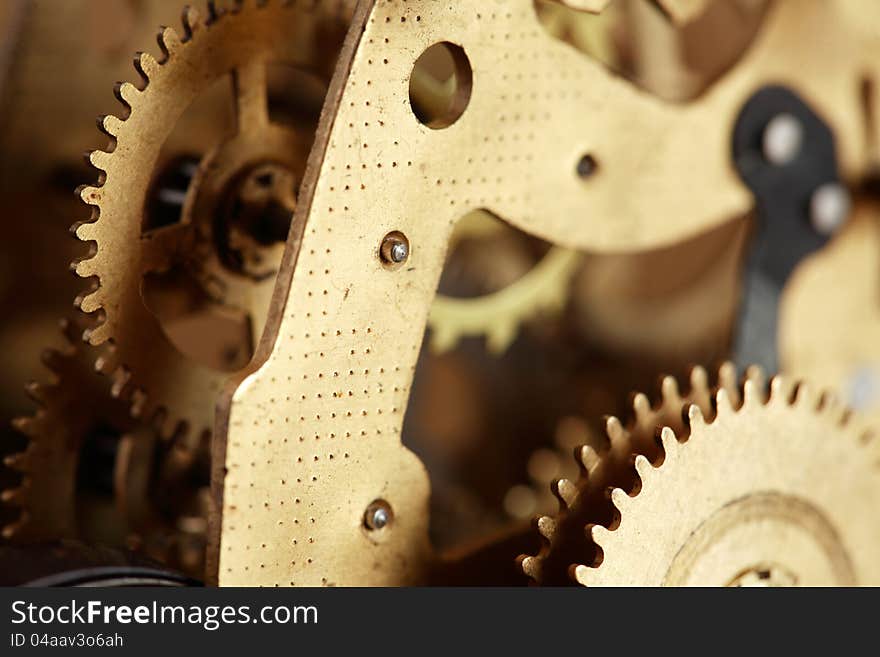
(498, 316)
(584, 499)
(230, 236)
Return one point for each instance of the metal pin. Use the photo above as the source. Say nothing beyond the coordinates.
(378, 515)
(782, 139)
(395, 248)
(829, 208)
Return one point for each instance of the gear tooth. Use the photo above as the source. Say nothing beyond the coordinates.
(110, 125)
(617, 435)
(191, 21)
(723, 404)
(13, 496)
(547, 527)
(805, 396)
(36, 391)
(146, 65)
(17, 461)
(89, 194)
(587, 457)
(121, 379)
(643, 467)
(99, 159)
(753, 392)
(138, 402)
(669, 443)
(99, 333)
(598, 534)
(669, 390)
(694, 416)
(727, 381)
(442, 341)
(500, 337)
(620, 499)
(582, 574)
(25, 426)
(699, 378)
(756, 373)
(89, 302)
(85, 268)
(169, 41)
(85, 231)
(531, 567)
(565, 491)
(13, 529)
(69, 332)
(127, 94)
(105, 363)
(641, 407)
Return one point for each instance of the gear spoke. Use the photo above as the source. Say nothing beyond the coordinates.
(249, 86)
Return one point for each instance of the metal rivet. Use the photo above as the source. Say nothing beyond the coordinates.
(378, 515)
(829, 208)
(394, 249)
(782, 139)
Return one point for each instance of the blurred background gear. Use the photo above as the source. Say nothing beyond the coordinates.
(92, 472)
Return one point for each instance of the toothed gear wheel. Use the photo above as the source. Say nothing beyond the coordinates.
(768, 490)
(497, 316)
(584, 500)
(90, 471)
(239, 43)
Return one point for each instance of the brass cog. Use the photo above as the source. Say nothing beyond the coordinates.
(775, 490)
(497, 316)
(227, 257)
(583, 500)
(92, 472)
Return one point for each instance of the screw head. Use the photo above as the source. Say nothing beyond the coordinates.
(829, 208)
(378, 515)
(399, 252)
(782, 139)
(394, 249)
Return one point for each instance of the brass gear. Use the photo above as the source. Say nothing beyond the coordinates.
(92, 472)
(583, 500)
(240, 43)
(497, 316)
(742, 498)
(780, 489)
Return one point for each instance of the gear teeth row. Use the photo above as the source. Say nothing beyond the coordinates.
(498, 316)
(34, 428)
(99, 298)
(591, 499)
(128, 94)
(728, 399)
